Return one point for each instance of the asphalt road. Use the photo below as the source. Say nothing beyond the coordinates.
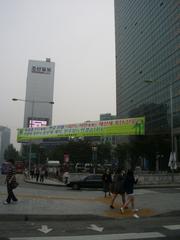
(86, 227)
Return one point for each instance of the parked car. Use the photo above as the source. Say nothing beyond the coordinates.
(90, 181)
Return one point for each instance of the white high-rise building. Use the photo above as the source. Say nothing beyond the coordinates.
(39, 93)
(4, 141)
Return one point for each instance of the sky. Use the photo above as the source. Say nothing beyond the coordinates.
(78, 35)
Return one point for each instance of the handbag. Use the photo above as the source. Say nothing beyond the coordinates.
(14, 185)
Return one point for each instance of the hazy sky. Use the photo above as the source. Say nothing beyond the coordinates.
(78, 35)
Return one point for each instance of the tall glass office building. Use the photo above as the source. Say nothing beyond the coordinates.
(147, 63)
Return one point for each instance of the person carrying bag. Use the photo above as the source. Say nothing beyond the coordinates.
(11, 182)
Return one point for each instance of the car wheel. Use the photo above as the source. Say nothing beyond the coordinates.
(75, 186)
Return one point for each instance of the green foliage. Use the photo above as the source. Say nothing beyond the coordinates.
(128, 155)
(104, 152)
(79, 151)
(122, 151)
(11, 153)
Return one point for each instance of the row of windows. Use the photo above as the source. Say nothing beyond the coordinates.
(149, 73)
(145, 23)
(156, 111)
(168, 45)
(133, 36)
(156, 115)
(141, 65)
(138, 10)
(149, 48)
(143, 92)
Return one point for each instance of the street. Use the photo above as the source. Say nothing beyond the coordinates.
(54, 212)
(153, 226)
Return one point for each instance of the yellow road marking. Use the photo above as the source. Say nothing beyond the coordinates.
(113, 213)
(51, 197)
(144, 212)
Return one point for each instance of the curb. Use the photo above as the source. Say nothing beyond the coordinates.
(45, 184)
(75, 217)
(31, 217)
(136, 187)
(157, 186)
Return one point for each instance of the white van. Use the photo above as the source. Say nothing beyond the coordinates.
(79, 167)
(88, 167)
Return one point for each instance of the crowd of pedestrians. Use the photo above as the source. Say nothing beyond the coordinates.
(120, 183)
(39, 173)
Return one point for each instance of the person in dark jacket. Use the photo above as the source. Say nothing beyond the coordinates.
(129, 189)
(118, 186)
(10, 180)
(107, 181)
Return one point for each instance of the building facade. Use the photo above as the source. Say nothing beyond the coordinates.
(4, 141)
(147, 64)
(39, 93)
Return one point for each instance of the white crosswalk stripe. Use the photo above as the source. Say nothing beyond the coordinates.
(172, 227)
(144, 191)
(123, 236)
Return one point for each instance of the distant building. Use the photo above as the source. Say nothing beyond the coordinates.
(4, 141)
(39, 93)
(107, 116)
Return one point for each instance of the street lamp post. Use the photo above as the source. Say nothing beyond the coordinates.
(32, 115)
(94, 158)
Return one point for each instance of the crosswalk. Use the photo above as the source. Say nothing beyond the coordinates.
(119, 236)
(172, 227)
(122, 236)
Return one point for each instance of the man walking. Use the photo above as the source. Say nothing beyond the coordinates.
(11, 181)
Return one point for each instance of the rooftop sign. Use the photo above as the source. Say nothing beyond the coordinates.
(38, 69)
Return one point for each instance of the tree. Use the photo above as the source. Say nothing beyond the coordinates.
(122, 153)
(11, 153)
(104, 153)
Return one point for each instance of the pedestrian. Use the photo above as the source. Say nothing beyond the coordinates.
(32, 173)
(11, 181)
(42, 174)
(107, 181)
(118, 186)
(129, 189)
(66, 177)
(25, 173)
(46, 173)
(37, 172)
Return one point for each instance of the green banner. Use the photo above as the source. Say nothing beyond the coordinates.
(117, 127)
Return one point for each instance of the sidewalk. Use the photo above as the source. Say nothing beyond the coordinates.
(48, 181)
(66, 203)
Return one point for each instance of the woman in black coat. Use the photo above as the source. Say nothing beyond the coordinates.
(107, 181)
(129, 189)
(118, 186)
